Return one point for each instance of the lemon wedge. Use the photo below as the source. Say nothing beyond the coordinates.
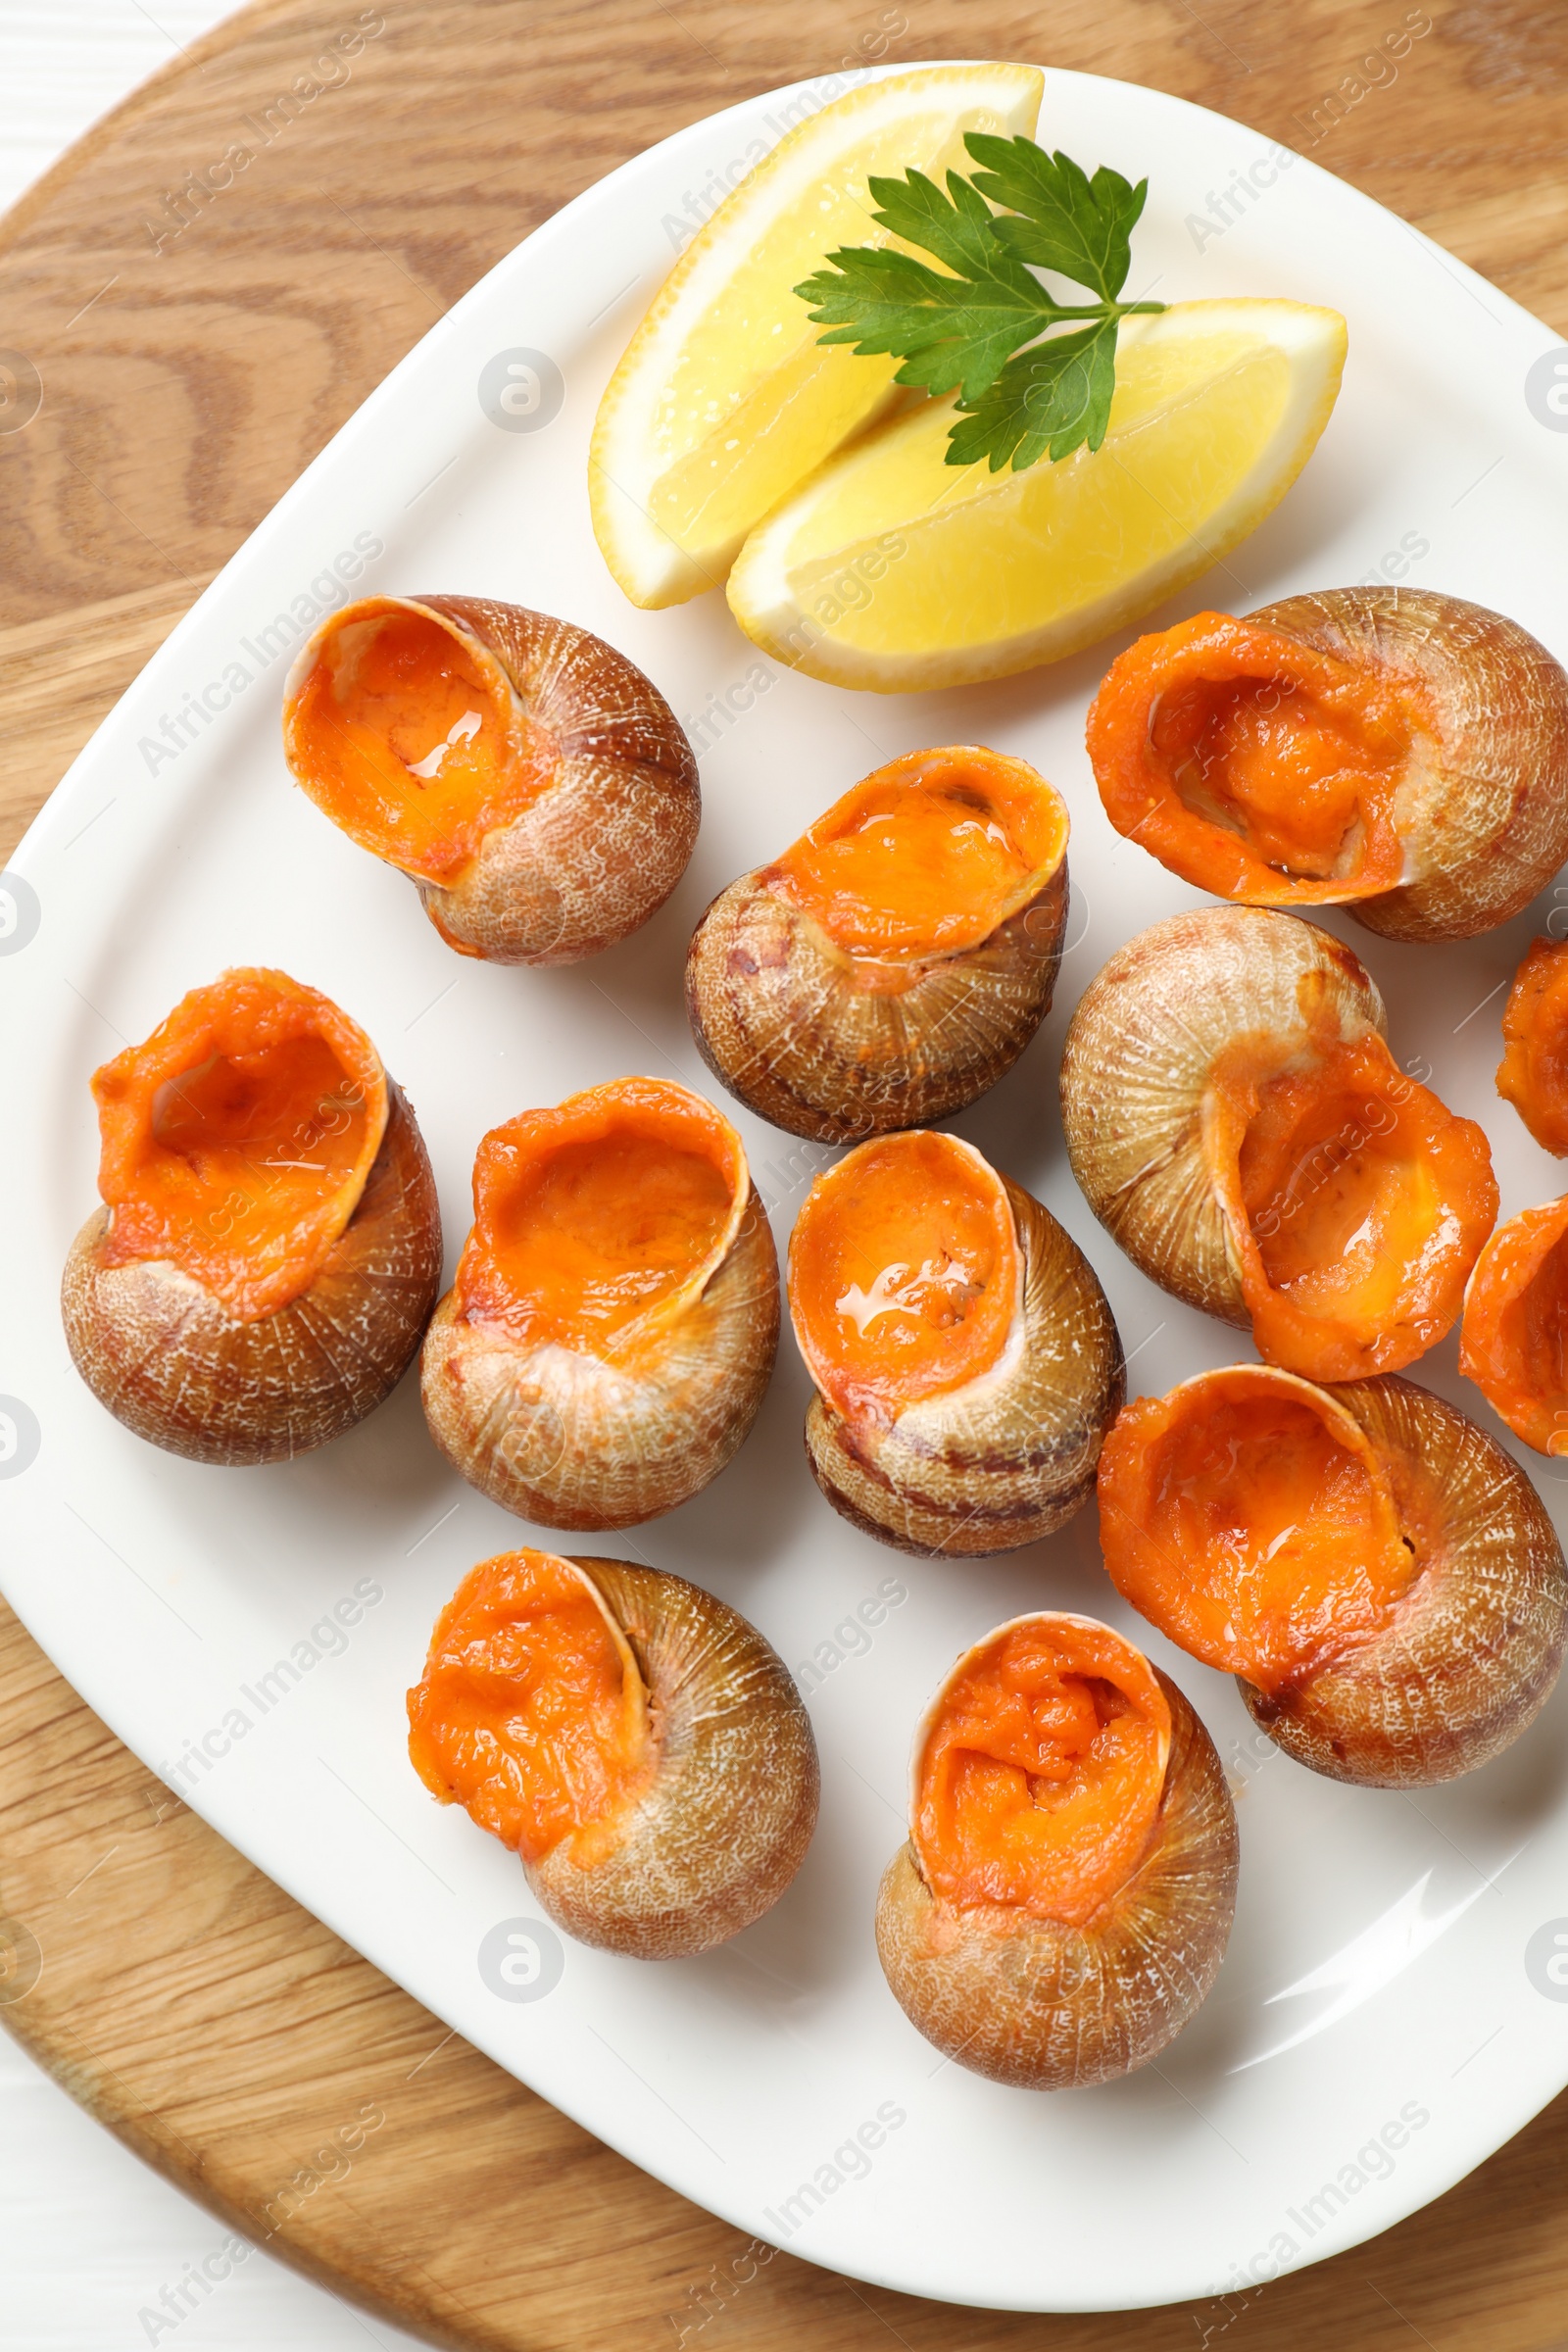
(894, 570)
(724, 399)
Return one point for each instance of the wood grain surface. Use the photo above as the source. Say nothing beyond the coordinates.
(201, 327)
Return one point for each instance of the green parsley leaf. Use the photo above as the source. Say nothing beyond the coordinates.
(1051, 397)
(955, 331)
(974, 325)
(1081, 227)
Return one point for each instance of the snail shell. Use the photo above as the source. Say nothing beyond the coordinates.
(719, 1822)
(602, 782)
(1475, 1648)
(725, 1824)
(1173, 1053)
(1008, 1456)
(570, 1438)
(1464, 724)
(1467, 1652)
(840, 1044)
(167, 1357)
(1046, 2006)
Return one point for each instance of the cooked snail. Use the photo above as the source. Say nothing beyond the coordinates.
(526, 777)
(611, 1331)
(1063, 1904)
(1514, 1343)
(1381, 1578)
(1391, 750)
(1533, 1074)
(897, 958)
(269, 1245)
(965, 1358)
(635, 1741)
(1237, 1123)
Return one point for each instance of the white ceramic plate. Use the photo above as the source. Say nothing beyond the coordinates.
(1385, 2017)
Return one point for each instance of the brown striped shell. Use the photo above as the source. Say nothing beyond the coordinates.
(1136, 1064)
(604, 843)
(565, 1439)
(1476, 1643)
(840, 1046)
(170, 1360)
(1050, 2007)
(1009, 1457)
(723, 1827)
(1482, 810)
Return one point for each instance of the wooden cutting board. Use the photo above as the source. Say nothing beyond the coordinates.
(199, 326)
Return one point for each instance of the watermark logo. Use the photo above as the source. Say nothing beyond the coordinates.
(185, 204)
(1545, 389)
(1546, 1960)
(852, 1637)
(534, 1439)
(333, 2160)
(20, 1437)
(521, 1960)
(1247, 1758)
(21, 1962)
(1374, 71)
(327, 1638)
(177, 2303)
(1040, 923)
(725, 707)
(285, 634)
(1394, 564)
(521, 390)
(852, 2161)
(712, 2296)
(790, 1172)
(699, 205)
(20, 391)
(20, 913)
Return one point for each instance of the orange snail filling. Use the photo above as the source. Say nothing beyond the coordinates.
(531, 1713)
(591, 1218)
(406, 731)
(905, 1273)
(1249, 1518)
(238, 1141)
(928, 856)
(1515, 1339)
(1253, 766)
(1533, 1072)
(1356, 1202)
(1040, 1777)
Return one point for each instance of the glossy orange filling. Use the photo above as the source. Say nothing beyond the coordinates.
(404, 730)
(531, 1713)
(1356, 1202)
(1515, 1343)
(1533, 1074)
(904, 1273)
(1253, 766)
(1040, 1777)
(594, 1219)
(237, 1142)
(1248, 1517)
(928, 856)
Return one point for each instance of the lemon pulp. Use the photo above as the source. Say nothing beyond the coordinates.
(890, 568)
(726, 400)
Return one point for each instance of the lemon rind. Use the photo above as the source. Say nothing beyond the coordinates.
(758, 593)
(650, 568)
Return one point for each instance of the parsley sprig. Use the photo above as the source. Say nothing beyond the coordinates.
(981, 325)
